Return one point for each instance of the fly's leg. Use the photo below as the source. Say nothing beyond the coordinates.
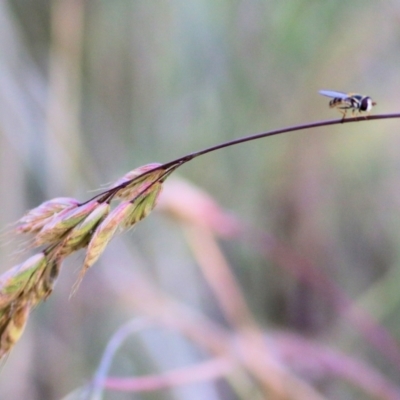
(344, 115)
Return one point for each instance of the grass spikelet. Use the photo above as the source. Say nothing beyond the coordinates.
(20, 278)
(137, 186)
(102, 236)
(63, 222)
(79, 233)
(46, 282)
(35, 219)
(131, 175)
(79, 236)
(143, 205)
(12, 326)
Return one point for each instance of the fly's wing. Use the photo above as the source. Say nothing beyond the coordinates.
(333, 94)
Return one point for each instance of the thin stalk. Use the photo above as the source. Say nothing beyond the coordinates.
(174, 164)
(261, 135)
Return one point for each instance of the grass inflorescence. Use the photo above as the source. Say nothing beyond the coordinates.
(63, 225)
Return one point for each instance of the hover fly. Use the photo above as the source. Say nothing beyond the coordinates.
(348, 101)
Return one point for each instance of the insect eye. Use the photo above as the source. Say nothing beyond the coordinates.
(365, 104)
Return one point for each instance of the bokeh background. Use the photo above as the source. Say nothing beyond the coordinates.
(92, 89)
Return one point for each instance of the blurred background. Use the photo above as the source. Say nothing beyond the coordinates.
(292, 238)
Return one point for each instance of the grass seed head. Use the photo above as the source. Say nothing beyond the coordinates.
(79, 233)
(35, 219)
(61, 223)
(21, 278)
(13, 327)
(139, 185)
(102, 236)
(131, 175)
(64, 225)
(105, 231)
(45, 284)
(143, 206)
